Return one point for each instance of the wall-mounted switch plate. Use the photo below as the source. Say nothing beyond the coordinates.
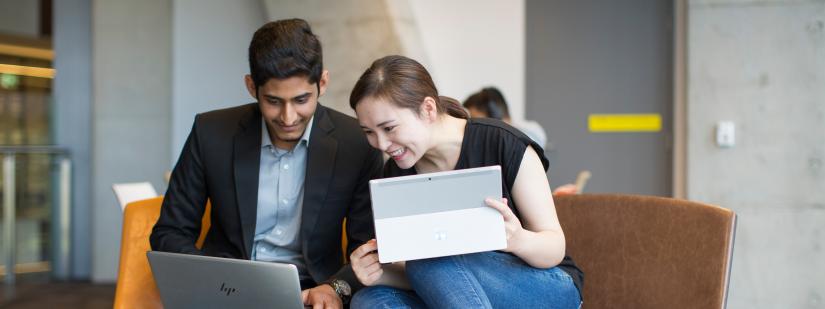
(725, 134)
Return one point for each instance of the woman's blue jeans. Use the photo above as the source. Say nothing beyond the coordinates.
(479, 280)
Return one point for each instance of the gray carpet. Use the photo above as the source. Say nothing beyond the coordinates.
(59, 295)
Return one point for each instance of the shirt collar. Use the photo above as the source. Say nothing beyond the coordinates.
(267, 142)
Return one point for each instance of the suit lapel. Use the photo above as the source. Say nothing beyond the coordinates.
(247, 160)
(320, 164)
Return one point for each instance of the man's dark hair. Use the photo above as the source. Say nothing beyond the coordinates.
(283, 49)
(489, 101)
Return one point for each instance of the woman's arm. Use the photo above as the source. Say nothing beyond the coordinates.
(537, 238)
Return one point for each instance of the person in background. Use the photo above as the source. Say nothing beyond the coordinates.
(281, 173)
(489, 102)
(401, 113)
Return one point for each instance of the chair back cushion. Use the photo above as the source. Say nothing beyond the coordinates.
(135, 285)
(648, 252)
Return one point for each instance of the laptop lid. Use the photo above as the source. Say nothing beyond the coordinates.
(437, 214)
(192, 281)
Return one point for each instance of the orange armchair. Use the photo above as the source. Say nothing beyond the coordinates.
(135, 285)
(648, 252)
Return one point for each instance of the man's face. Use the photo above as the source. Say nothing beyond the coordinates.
(287, 105)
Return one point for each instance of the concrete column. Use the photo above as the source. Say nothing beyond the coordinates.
(72, 118)
(762, 65)
(132, 48)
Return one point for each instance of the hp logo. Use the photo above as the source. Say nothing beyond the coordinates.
(226, 289)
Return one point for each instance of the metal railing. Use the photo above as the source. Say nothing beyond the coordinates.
(60, 217)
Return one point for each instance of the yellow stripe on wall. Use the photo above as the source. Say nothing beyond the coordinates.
(624, 122)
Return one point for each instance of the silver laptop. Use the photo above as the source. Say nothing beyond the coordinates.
(437, 214)
(192, 281)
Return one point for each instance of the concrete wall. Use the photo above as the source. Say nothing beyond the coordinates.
(209, 59)
(132, 78)
(472, 44)
(354, 33)
(761, 64)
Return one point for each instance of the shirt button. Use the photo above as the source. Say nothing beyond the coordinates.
(286, 166)
(278, 232)
(284, 201)
(263, 249)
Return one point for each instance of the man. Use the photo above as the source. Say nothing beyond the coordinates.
(281, 174)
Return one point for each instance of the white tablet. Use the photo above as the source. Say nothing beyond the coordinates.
(437, 214)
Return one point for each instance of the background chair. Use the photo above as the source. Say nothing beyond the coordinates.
(135, 285)
(648, 252)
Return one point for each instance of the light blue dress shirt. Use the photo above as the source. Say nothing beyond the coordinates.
(280, 200)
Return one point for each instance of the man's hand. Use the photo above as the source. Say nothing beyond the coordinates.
(321, 297)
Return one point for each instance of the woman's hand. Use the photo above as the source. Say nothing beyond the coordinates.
(511, 223)
(365, 264)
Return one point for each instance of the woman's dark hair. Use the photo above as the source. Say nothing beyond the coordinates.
(283, 49)
(405, 83)
(489, 101)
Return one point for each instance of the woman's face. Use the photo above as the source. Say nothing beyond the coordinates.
(396, 131)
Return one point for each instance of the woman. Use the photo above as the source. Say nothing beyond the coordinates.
(401, 113)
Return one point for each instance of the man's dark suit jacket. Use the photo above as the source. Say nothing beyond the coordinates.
(220, 162)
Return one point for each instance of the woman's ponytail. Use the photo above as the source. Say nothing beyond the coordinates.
(453, 107)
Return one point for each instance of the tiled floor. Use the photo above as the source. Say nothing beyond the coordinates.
(59, 295)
